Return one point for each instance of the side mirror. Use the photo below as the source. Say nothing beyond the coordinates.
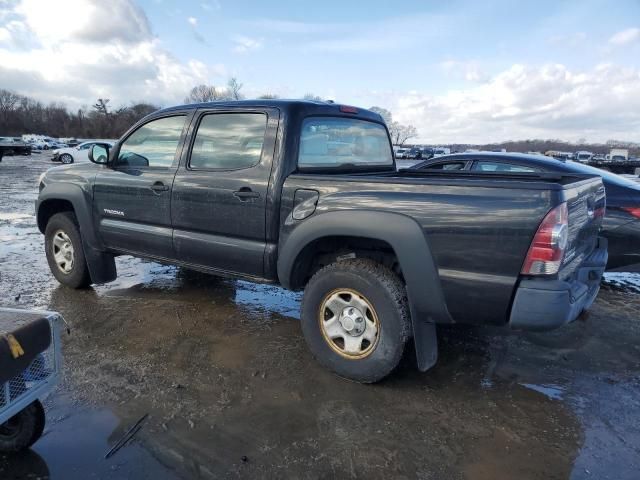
(99, 153)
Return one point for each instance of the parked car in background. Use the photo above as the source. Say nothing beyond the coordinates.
(401, 153)
(583, 156)
(76, 154)
(622, 220)
(440, 151)
(37, 145)
(419, 153)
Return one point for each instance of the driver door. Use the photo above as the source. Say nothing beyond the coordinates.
(132, 197)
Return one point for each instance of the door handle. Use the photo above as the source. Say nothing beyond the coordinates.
(245, 194)
(159, 187)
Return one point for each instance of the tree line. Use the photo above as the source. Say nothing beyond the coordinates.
(20, 114)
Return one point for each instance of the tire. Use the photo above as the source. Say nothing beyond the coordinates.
(23, 429)
(66, 158)
(383, 298)
(73, 271)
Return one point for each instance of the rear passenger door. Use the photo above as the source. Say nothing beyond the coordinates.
(219, 195)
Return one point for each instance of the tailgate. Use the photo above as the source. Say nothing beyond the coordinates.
(586, 205)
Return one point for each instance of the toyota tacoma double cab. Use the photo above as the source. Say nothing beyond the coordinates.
(306, 194)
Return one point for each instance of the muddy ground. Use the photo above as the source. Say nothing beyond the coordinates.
(231, 391)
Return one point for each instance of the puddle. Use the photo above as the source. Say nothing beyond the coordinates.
(75, 441)
(553, 392)
(270, 298)
(14, 216)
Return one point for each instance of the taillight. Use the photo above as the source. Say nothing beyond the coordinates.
(635, 211)
(348, 109)
(549, 243)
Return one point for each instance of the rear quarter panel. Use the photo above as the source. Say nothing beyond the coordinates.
(478, 235)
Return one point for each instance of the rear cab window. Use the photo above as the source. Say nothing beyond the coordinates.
(339, 142)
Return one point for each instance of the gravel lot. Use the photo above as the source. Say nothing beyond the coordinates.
(231, 391)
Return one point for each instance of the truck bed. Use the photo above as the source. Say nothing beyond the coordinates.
(479, 226)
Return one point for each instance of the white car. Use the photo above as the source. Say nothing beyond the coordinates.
(401, 152)
(79, 153)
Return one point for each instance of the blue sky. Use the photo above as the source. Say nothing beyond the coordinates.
(347, 47)
(457, 70)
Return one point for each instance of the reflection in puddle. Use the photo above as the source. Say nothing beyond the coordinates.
(257, 297)
(553, 392)
(137, 276)
(74, 444)
(14, 216)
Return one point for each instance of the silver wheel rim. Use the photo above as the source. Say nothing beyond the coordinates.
(63, 252)
(66, 158)
(349, 323)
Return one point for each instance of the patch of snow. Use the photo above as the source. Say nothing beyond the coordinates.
(627, 280)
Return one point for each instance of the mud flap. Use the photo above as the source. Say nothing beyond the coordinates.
(101, 265)
(426, 341)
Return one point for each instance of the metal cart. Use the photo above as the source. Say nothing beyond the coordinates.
(30, 364)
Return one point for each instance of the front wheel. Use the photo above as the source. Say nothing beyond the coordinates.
(65, 254)
(66, 158)
(23, 429)
(355, 319)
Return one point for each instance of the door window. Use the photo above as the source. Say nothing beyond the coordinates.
(489, 166)
(447, 166)
(229, 141)
(154, 144)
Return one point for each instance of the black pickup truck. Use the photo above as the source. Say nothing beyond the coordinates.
(306, 194)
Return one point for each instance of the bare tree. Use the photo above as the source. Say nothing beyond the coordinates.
(102, 106)
(234, 88)
(8, 101)
(203, 93)
(311, 96)
(269, 96)
(384, 113)
(401, 133)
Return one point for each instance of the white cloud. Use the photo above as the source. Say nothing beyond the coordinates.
(245, 44)
(210, 6)
(550, 101)
(85, 20)
(469, 70)
(193, 21)
(625, 37)
(89, 49)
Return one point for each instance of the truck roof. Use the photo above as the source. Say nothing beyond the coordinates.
(304, 107)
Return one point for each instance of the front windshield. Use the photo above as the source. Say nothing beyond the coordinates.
(338, 141)
(610, 177)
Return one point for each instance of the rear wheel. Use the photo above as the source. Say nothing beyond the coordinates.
(23, 429)
(65, 254)
(355, 319)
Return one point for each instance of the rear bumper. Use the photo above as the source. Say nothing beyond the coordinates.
(547, 304)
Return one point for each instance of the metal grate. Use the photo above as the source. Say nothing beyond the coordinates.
(36, 380)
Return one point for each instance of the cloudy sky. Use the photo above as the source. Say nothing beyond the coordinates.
(460, 71)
